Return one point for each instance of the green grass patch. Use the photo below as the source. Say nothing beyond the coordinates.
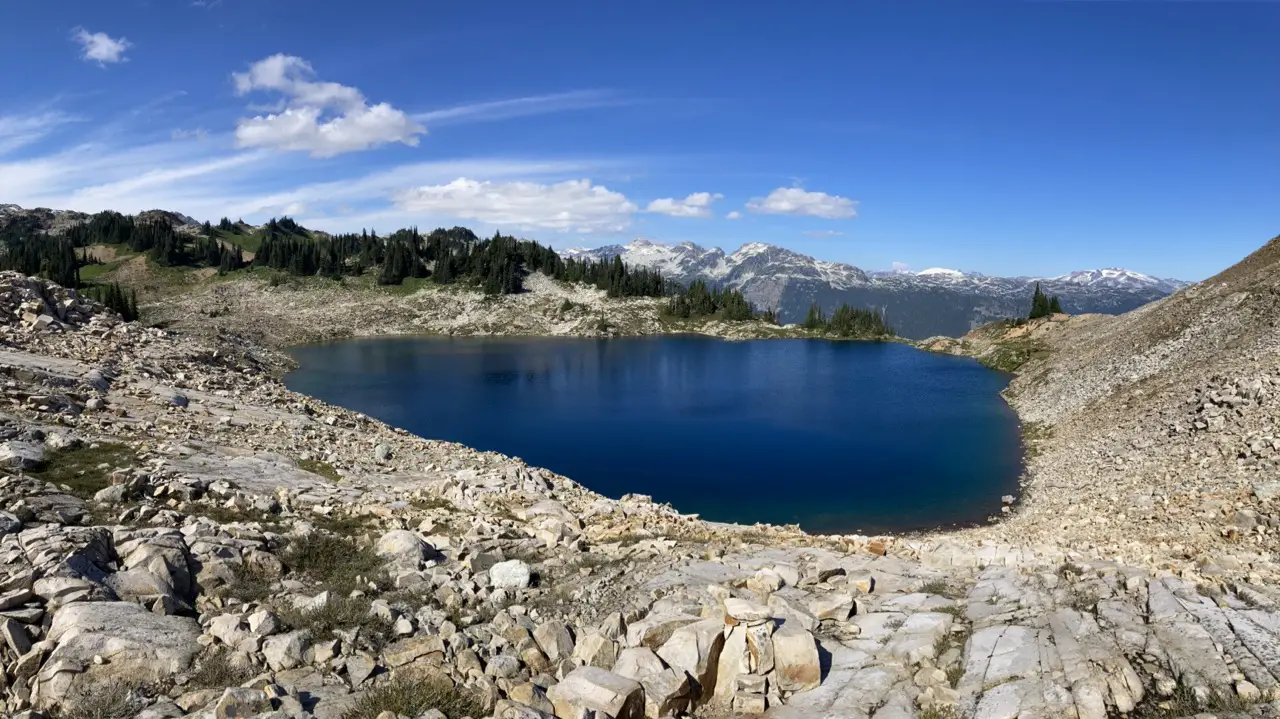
(249, 584)
(343, 613)
(85, 470)
(343, 525)
(432, 503)
(320, 467)
(103, 700)
(335, 563)
(249, 243)
(412, 696)
(214, 670)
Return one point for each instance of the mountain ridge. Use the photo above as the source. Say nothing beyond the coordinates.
(935, 301)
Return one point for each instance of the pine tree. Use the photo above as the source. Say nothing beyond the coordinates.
(815, 320)
(1055, 307)
(1039, 304)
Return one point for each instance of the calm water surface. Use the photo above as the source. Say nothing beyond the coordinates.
(835, 436)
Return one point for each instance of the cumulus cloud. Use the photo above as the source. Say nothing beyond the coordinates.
(823, 234)
(735, 215)
(321, 118)
(570, 206)
(797, 201)
(100, 47)
(696, 205)
(901, 267)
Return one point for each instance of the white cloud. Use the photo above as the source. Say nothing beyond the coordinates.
(198, 133)
(21, 130)
(901, 267)
(823, 234)
(573, 205)
(696, 205)
(522, 107)
(797, 201)
(100, 47)
(322, 118)
(735, 215)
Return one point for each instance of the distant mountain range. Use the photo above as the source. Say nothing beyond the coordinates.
(921, 304)
(935, 301)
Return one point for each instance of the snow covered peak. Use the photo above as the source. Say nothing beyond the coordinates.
(940, 272)
(1109, 277)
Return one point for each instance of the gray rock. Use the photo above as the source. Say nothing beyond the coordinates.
(403, 547)
(590, 689)
(382, 453)
(638, 663)
(695, 649)
(115, 494)
(9, 523)
(554, 639)
(511, 574)
(140, 647)
(16, 454)
(241, 702)
(795, 657)
(179, 400)
(287, 651)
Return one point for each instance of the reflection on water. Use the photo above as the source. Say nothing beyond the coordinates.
(837, 436)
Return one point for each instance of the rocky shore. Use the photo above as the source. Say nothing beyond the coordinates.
(182, 536)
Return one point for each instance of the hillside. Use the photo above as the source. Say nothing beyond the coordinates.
(932, 302)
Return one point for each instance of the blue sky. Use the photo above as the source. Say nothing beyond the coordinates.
(1010, 138)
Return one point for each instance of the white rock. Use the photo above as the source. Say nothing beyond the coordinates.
(511, 574)
(590, 689)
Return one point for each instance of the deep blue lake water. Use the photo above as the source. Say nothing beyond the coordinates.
(835, 436)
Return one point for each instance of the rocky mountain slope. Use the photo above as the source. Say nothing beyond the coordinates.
(931, 302)
(182, 536)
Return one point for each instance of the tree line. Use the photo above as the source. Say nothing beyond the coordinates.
(848, 321)
(728, 304)
(498, 265)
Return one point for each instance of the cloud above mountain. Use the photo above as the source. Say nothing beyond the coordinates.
(321, 118)
(696, 205)
(569, 206)
(797, 201)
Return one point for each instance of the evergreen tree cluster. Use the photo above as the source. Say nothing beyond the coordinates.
(848, 321)
(448, 256)
(115, 298)
(38, 254)
(1043, 305)
(699, 300)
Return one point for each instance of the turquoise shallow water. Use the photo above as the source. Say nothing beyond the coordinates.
(835, 436)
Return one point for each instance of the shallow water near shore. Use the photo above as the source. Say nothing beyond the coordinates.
(834, 436)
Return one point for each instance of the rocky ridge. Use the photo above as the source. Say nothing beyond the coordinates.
(184, 537)
(935, 301)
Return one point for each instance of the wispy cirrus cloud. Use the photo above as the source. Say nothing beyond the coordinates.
(21, 130)
(496, 110)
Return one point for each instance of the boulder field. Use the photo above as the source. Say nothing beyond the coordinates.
(182, 536)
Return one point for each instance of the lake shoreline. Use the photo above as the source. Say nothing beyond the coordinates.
(978, 519)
